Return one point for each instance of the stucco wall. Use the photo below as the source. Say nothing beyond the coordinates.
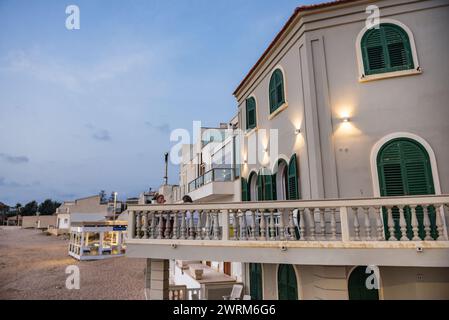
(322, 86)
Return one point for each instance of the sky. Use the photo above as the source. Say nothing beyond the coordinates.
(92, 109)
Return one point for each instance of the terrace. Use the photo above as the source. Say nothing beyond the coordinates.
(404, 231)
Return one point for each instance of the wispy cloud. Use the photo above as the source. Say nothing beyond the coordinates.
(102, 135)
(13, 184)
(162, 128)
(75, 78)
(14, 159)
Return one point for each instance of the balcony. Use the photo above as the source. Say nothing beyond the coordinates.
(214, 184)
(402, 231)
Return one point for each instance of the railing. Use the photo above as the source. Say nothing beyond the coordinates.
(380, 219)
(181, 292)
(213, 175)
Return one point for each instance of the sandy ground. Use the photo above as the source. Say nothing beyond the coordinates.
(32, 266)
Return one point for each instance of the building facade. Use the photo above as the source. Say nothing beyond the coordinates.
(348, 122)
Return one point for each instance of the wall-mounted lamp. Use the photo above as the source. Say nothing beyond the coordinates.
(297, 131)
(346, 119)
(266, 150)
(245, 161)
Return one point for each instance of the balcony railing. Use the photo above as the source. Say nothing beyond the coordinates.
(402, 219)
(213, 175)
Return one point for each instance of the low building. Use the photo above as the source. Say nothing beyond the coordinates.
(39, 222)
(97, 240)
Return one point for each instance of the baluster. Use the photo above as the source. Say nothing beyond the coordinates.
(302, 225)
(160, 233)
(415, 225)
(175, 226)
(322, 224)
(291, 225)
(367, 224)
(379, 224)
(138, 224)
(356, 224)
(183, 232)
(199, 226)
(234, 225)
(272, 225)
(312, 224)
(391, 224)
(281, 225)
(262, 226)
(191, 231)
(402, 224)
(427, 226)
(167, 230)
(208, 222)
(253, 225)
(216, 226)
(243, 233)
(333, 225)
(439, 223)
(145, 225)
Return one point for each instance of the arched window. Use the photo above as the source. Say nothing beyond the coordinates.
(357, 288)
(277, 95)
(253, 187)
(404, 169)
(255, 282)
(251, 118)
(287, 286)
(386, 49)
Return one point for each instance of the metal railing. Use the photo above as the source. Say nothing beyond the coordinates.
(213, 175)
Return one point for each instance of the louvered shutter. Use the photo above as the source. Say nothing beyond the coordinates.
(251, 113)
(276, 90)
(293, 190)
(244, 190)
(256, 281)
(386, 49)
(273, 186)
(259, 188)
(268, 187)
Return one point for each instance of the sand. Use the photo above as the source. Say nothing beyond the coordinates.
(33, 264)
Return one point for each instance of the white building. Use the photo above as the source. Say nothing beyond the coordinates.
(357, 147)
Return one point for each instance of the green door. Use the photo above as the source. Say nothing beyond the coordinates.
(404, 170)
(255, 281)
(357, 288)
(287, 285)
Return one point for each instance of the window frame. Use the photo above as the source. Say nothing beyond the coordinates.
(247, 111)
(363, 77)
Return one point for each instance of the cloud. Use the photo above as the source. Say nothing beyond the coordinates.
(76, 78)
(14, 184)
(101, 135)
(162, 128)
(14, 159)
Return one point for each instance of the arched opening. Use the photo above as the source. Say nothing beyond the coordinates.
(255, 281)
(253, 187)
(404, 169)
(360, 284)
(282, 180)
(287, 285)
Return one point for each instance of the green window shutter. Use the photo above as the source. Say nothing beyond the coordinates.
(260, 187)
(255, 283)
(287, 285)
(251, 119)
(268, 187)
(293, 189)
(244, 190)
(273, 186)
(386, 49)
(276, 90)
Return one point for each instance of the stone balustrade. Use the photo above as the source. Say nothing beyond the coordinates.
(378, 219)
(181, 292)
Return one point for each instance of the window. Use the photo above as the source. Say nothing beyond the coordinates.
(386, 49)
(251, 121)
(287, 286)
(277, 96)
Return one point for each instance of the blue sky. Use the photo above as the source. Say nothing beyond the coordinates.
(92, 109)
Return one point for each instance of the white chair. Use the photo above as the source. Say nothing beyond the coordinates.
(236, 292)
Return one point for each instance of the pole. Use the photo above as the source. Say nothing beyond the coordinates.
(115, 203)
(166, 169)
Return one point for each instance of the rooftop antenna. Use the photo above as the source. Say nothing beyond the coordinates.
(166, 169)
